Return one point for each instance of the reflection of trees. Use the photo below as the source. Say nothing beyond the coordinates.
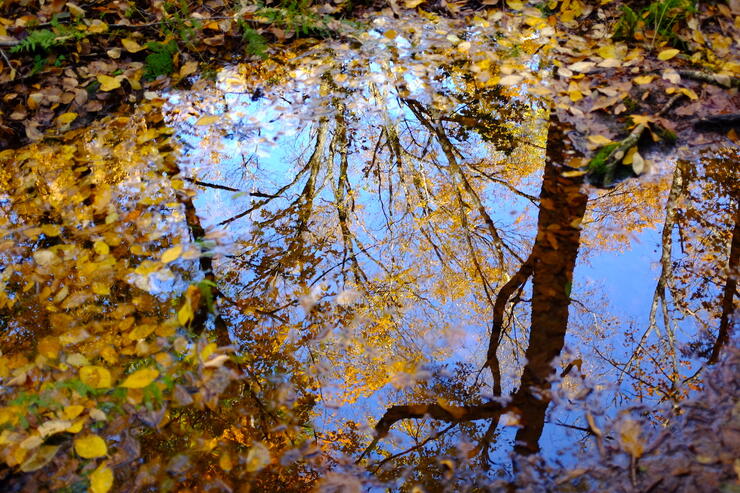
(321, 226)
(550, 265)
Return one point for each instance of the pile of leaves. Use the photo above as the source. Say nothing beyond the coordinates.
(64, 63)
(102, 303)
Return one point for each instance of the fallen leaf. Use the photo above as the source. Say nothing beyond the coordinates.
(39, 458)
(97, 27)
(668, 54)
(96, 377)
(638, 165)
(131, 45)
(90, 447)
(188, 68)
(629, 438)
(66, 118)
(171, 254)
(581, 66)
(108, 83)
(599, 140)
(101, 479)
(140, 378)
(208, 120)
(644, 79)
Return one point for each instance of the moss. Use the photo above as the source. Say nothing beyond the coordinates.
(159, 61)
(665, 134)
(597, 164)
(631, 105)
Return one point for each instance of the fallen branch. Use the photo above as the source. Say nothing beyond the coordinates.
(613, 159)
(725, 81)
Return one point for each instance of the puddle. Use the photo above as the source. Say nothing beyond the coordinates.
(379, 237)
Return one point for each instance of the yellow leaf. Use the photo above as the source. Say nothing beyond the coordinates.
(629, 438)
(66, 118)
(97, 26)
(515, 4)
(140, 379)
(607, 51)
(641, 119)
(146, 136)
(108, 83)
(96, 377)
(208, 120)
(390, 34)
(90, 447)
(208, 351)
(599, 140)
(225, 462)
(51, 229)
(574, 92)
(131, 45)
(630, 153)
(185, 314)
(689, 92)
(188, 69)
(76, 427)
(573, 173)
(668, 54)
(101, 479)
(101, 248)
(49, 347)
(75, 10)
(412, 4)
(644, 79)
(100, 288)
(39, 458)
(71, 412)
(171, 254)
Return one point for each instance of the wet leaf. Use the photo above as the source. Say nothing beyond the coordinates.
(208, 120)
(629, 438)
(171, 254)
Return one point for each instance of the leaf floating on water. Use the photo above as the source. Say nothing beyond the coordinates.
(207, 120)
(171, 254)
(44, 257)
(629, 438)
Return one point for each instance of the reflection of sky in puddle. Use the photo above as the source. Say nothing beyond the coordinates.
(263, 140)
